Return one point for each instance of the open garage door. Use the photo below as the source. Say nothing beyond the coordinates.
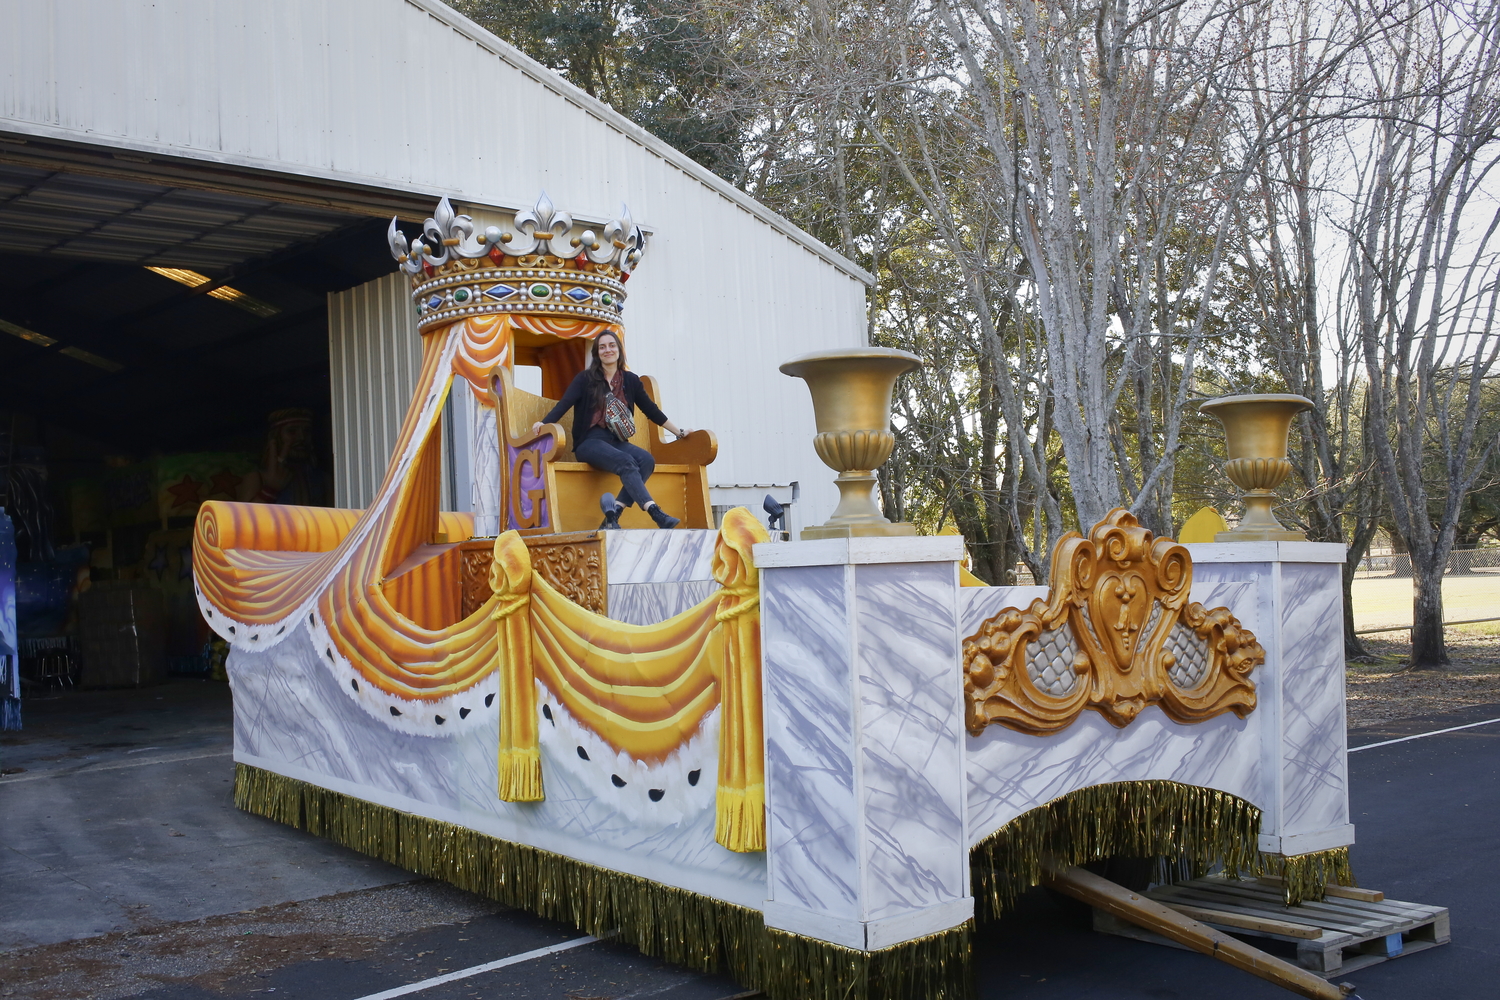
(162, 328)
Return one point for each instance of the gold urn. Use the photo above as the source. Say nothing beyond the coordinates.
(851, 393)
(1255, 431)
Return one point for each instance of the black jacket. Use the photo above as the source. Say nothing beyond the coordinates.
(577, 397)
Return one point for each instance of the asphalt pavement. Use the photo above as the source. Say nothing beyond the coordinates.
(125, 871)
(1427, 824)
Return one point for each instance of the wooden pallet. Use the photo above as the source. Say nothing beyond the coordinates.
(1337, 936)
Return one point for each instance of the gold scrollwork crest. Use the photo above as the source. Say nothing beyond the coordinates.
(1116, 634)
(575, 568)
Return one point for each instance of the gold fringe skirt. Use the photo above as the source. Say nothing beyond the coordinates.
(665, 922)
(1190, 828)
(1186, 828)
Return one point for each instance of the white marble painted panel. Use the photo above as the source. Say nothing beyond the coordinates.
(978, 604)
(1249, 589)
(1315, 785)
(484, 458)
(911, 738)
(1010, 773)
(289, 716)
(650, 556)
(649, 603)
(810, 744)
(1243, 588)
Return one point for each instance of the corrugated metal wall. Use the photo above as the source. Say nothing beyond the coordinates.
(374, 356)
(406, 95)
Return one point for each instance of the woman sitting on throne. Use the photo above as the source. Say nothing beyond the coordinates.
(603, 398)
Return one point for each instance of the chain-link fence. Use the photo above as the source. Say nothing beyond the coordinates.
(1394, 565)
(1397, 565)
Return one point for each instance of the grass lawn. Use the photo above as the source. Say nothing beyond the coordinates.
(1385, 690)
(1380, 601)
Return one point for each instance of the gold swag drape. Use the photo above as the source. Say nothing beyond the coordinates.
(644, 689)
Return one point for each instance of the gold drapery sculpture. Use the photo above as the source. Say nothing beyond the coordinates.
(643, 689)
(740, 822)
(520, 774)
(1116, 634)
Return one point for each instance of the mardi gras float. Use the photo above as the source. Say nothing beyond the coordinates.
(811, 764)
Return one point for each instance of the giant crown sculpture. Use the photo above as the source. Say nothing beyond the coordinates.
(539, 267)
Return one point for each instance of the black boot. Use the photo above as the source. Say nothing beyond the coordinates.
(662, 518)
(611, 510)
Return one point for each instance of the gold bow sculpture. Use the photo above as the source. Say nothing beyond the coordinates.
(643, 689)
(1116, 634)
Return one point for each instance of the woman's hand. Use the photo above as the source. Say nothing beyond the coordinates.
(679, 432)
(536, 429)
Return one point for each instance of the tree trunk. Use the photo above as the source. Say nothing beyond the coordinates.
(1428, 651)
(1364, 531)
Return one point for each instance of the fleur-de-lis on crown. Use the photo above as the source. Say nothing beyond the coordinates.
(445, 234)
(540, 228)
(447, 231)
(623, 241)
(540, 225)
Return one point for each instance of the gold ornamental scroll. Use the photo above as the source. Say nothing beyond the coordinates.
(520, 772)
(740, 814)
(1115, 635)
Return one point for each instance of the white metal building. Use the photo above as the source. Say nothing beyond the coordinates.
(222, 135)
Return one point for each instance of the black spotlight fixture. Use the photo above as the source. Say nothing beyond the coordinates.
(777, 519)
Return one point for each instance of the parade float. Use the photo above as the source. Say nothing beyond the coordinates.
(809, 764)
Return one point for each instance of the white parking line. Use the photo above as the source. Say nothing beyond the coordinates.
(1435, 732)
(427, 984)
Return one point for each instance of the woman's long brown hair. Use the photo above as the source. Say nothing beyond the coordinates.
(598, 384)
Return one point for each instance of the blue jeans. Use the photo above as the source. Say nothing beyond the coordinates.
(632, 464)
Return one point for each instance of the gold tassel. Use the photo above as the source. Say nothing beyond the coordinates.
(664, 922)
(521, 775)
(740, 818)
(520, 760)
(1188, 828)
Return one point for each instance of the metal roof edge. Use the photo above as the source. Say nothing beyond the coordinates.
(608, 115)
(16, 134)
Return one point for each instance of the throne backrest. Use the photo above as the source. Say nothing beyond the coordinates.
(520, 409)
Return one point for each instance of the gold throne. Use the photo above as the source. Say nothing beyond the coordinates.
(545, 490)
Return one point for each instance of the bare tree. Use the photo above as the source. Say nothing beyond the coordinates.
(1423, 275)
(1312, 350)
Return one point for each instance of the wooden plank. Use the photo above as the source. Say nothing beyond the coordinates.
(1243, 921)
(1342, 917)
(1340, 891)
(1352, 933)
(1145, 912)
(1383, 907)
(1332, 920)
(1356, 916)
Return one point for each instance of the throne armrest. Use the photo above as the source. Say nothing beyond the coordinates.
(548, 444)
(700, 447)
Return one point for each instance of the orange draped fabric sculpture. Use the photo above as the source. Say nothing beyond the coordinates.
(265, 569)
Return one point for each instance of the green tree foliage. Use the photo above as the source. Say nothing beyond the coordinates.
(650, 60)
